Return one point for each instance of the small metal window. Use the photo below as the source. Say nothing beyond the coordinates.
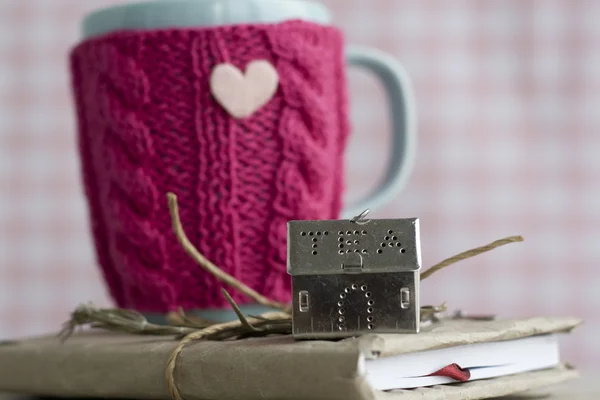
(303, 302)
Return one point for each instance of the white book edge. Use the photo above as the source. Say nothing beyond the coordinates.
(483, 360)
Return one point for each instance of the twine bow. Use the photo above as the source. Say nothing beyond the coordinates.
(189, 329)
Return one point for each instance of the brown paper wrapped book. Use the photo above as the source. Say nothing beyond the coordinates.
(119, 365)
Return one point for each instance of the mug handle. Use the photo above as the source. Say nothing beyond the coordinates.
(401, 101)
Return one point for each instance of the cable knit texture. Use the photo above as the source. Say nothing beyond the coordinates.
(148, 125)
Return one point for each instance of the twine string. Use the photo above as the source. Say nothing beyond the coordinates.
(469, 253)
(243, 325)
(205, 263)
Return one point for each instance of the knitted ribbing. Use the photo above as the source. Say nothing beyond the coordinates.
(148, 124)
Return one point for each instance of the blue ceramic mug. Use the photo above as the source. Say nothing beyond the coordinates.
(206, 13)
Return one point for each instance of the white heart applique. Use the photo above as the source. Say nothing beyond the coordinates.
(242, 94)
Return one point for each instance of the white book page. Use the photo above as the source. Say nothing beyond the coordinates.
(484, 360)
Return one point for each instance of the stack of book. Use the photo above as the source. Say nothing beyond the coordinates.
(450, 359)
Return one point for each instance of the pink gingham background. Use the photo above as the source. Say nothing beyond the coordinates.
(508, 98)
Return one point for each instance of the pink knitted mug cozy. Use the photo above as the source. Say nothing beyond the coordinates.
(148, 125)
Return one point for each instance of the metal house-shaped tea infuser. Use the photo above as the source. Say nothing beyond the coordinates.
(357, 276)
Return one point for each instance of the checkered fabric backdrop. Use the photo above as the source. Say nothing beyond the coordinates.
(508, 94)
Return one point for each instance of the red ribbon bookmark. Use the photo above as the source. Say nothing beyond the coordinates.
(453, 371)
